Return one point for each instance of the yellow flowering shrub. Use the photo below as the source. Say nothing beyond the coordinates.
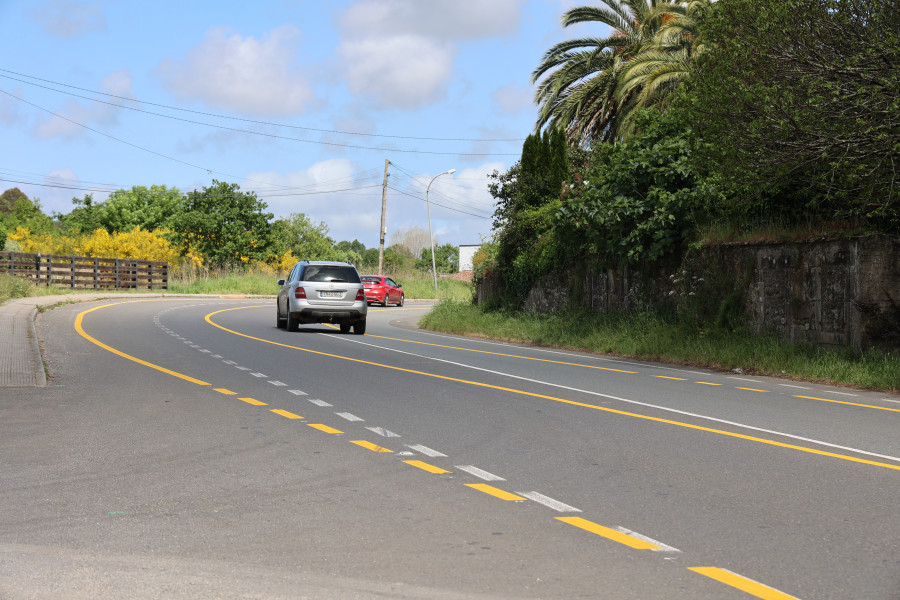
(137, 244)
(43, 243)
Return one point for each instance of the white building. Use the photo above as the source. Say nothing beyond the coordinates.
(466, 254)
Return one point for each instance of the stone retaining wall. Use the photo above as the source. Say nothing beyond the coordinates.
(838, 293)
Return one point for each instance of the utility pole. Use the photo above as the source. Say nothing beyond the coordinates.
(383, 211)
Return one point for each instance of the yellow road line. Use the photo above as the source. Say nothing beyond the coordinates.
(560, 400)
(84, 334)
(370, 446)
(253, 401)
(426, 467)
(849, 403)
(612, 534)
(742, 583)
(667, 377)
(324, 428)
(227, 392)
(707, 383)
(496, 492)
(753, 390)
(285, 413)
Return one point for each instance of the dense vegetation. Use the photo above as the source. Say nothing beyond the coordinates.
(218, 227)
(703, 119)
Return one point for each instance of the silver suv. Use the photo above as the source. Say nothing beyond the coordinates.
(322, 292)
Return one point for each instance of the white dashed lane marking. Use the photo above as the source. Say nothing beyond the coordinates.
(426, 451)
(481, 474)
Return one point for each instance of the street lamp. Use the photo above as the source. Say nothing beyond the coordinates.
(430, 234)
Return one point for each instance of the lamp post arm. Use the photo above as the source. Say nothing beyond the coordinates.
(430, 233)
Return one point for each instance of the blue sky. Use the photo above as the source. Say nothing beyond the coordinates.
(298, 101)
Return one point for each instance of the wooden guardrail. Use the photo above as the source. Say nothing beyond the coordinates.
(84, 272)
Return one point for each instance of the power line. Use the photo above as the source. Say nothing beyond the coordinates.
(405, 193)
(319, 130)
(266, 195)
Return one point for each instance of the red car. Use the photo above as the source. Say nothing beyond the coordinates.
(383, 290)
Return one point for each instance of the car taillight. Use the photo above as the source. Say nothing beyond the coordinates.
(360, 295)
(300, 293)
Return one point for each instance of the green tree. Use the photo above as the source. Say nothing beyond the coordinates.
(84, 218)
(305, 239)
(148, 208)
(17, 210)
(355, 246)
(446, 259)
(584, 85)
(639, 200)
(527, 196)
(802, 98)
(226, 226)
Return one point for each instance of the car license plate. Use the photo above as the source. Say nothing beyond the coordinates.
(330, 294)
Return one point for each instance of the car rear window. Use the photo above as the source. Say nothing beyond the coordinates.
(335, 273)
(370, 280)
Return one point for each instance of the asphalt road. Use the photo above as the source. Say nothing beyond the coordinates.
(189, 449)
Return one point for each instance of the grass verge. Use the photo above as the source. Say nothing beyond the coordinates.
(417, 285)
(649, 337)
(21, 287)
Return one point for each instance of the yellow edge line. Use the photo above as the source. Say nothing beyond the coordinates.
(285, 413)
(850, 403)
(426, 467)
(253, 401)
(370, 446)
(85, 335)
(753, 390)
(562, 400)
(742, 583)
(324, 428)
(612, 534)
(496, 492)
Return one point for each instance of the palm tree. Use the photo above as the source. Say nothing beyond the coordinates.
(591, 86)
(656, 70)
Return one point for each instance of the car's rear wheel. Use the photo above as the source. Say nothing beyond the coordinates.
(345, 328)
(359, 328)
(384, 301)
(292, 324)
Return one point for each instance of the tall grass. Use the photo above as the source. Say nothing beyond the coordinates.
(21, 287)
(261, 280)
(649, 337)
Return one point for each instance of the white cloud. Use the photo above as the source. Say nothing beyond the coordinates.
(250, 75)
(57, 199)
(458, 20)
(74, 113)
(70, 18)
(286, 193)
(400, 53)
(404, 71)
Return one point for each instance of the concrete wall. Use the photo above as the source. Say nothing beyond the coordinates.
(830, 293)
